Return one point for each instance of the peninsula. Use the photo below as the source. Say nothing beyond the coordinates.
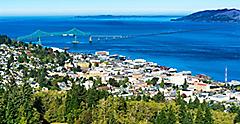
(221, 15)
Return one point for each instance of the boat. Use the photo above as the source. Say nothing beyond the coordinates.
(75, 42)
(71, 35)
(90, 39)
(64, 35)
(66, 48)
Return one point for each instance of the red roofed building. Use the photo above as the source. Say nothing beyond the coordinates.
(199, 86)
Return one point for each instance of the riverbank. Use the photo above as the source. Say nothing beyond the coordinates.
(47, 69)
(203, 52)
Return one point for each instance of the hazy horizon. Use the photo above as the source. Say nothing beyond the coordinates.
(109, 7)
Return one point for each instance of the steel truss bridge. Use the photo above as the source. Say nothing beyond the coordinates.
(78, 33)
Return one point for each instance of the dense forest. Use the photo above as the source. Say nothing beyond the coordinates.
(21, 104)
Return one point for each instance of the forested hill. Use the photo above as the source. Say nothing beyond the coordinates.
(221, 15)
(20, 103)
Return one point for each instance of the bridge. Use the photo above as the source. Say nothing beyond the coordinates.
(38, 34)
(78, 33)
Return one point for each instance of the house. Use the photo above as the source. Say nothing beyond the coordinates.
(83, 64)
(68, 66)
(88, 84)
(219, 98)
(172, 70)
(188, 93)
(102, 53)
(200, 86)
(234, 83)
(176, 80)
(95, 61)
(137, 76)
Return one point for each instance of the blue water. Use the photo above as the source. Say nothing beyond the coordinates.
(202, 52)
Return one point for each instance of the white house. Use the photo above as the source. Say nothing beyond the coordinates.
(219, 98)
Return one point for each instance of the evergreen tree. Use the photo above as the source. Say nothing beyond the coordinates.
(138, 98)
(41, 76)
(18, 105)
(237, 117)
(208, 116)
(189, 118)
(200, 116)
(145, 98)
(97, 82)
(154, 81)
(2, 105)
(171, 116)
(185, 85)
(27, 112)
(75, 97)
(179, 99)
(159, 97)
(194, 104)
(162, 83)
(161, 117)
(190, 103)
(113, 82)
(122, 105)
(8, 64)
(92, 97)
(182, 113)
(185, 116)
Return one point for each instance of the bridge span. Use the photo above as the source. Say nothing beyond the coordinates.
(75, 33)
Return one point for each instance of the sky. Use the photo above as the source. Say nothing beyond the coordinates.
(113, 7)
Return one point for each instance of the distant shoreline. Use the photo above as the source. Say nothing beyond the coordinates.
(89, 16)
(111, 16)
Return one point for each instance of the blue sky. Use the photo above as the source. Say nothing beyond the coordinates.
(117, 7)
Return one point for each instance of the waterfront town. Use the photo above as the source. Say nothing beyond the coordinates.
(119, 62)
(116, 74)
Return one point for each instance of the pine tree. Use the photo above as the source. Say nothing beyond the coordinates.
(28, 111)
(2, 106)
(11, 99)
(145, 98)
(171, 116)
(185, 117)
(189, 118)
(92, 97)
(208, 119)
(18, 105)
(182, 113)
(195, 103)
(162, 83)
(74, 99)
(166, 116)
(185, 85)
(237, 117)
(190, 104)
(159, 97)
(161, 117)
(179, 99)
(122, 105)
(200, 116)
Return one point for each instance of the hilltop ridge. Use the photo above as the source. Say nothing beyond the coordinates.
(220, 15)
